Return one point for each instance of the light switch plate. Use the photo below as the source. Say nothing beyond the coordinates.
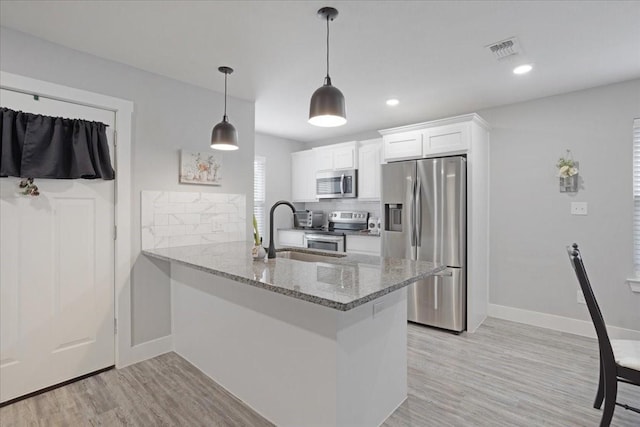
(578, 208)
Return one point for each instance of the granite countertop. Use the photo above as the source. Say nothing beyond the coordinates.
(340, 283)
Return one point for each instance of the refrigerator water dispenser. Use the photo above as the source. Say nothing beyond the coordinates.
(393, 217)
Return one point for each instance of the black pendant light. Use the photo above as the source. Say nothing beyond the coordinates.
(327, 103)
(224, 135)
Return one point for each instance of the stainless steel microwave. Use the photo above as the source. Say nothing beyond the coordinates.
(337, 184)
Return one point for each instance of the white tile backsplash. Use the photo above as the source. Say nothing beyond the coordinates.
(180, 197)
(185, 218)
(170, 218)
(160, 219)
(168, 208)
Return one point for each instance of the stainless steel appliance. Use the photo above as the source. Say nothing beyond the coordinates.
(424, 218)
(337, 184)
(348, 220)
(308, 219)
(334, 237)
(321, 240)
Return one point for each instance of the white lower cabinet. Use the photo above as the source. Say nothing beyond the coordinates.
(367, 245)
(291, 238)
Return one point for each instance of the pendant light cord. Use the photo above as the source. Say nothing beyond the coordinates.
(225, 95)
(327, 46)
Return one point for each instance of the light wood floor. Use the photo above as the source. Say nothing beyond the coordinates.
(506, 374)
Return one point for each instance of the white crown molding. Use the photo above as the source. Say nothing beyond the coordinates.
(473, 117)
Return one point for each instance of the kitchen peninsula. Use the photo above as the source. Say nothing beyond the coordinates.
(313, 341)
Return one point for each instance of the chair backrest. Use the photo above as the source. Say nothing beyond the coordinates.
(606, 352)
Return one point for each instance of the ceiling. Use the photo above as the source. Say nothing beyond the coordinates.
(430, 55)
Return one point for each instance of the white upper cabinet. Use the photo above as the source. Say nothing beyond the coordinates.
(323, 159)
(336, 157)
(446, 139)
(303, 176)
(403, 145)
(344, 157)
(369, 160)
(429, 139)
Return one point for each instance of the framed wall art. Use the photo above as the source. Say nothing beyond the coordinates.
(200, 168)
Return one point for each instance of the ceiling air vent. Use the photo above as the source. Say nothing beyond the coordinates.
(505, 48)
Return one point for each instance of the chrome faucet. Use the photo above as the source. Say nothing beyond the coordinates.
(271, 253)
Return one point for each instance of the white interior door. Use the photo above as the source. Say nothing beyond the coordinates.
(56, 270)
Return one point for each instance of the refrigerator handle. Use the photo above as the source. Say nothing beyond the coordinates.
(412, 204)
(435, 294)
(418, 198)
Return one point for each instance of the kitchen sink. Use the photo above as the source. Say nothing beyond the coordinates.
(308, 256)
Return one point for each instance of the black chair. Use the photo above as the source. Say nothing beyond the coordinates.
(619, 359)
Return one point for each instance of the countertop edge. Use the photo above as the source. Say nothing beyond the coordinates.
(293, 293)
(277, 289)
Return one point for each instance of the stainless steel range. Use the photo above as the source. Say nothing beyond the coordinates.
(333, 238)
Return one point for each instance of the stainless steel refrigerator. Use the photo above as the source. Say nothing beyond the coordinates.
(424, 218)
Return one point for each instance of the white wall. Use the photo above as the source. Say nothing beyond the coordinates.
(362, 136)
(277, 152)
(168, 115)
(530, 219)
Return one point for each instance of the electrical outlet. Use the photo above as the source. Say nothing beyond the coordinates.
(581, 297)
(578, 208)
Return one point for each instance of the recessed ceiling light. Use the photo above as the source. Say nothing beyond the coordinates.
(522, 69)
(392, 102)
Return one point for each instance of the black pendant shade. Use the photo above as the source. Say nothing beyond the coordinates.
(327, 108)
(224, 135)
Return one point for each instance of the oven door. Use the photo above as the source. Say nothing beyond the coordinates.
(325, 242)
(336, 185)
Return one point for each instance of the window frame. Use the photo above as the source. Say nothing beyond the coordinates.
(636, 198)
(260, 194)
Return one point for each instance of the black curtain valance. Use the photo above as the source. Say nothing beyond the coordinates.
(37, 146)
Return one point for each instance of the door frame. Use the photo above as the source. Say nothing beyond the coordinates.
(123, 109)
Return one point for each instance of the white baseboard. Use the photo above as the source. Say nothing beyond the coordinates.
(558, 323)
(147, 350)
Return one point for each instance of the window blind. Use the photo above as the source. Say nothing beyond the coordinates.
(259, 190)
(636, 196)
